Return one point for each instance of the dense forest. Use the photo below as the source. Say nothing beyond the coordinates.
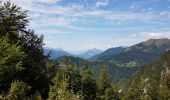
(27, 74)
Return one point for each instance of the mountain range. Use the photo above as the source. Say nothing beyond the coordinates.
(123, 62)
(56, 53)
(90, 53)
(59, 52)
(108, 53)
(136, 55)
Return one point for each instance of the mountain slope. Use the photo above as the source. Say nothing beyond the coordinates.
(140, 54)
(153, 79)
(56, 53)
(90, 53)
(108, 53)
(123, 65)
(116, 73)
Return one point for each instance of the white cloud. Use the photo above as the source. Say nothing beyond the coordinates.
(98, 42)
(34, 1)
(132, 16)
(106, 42)
(148, 35)
(46, 1)
(102, 3)
(52, 44)
(45, 21)
(52, 32)
(66, 15)
(132, 6)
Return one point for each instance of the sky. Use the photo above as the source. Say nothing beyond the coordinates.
(79, 25)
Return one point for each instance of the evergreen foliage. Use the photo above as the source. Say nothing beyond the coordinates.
(21, 51)
(11, 60)
(18, 91)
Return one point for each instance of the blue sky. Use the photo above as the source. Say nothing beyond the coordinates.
(78, 25)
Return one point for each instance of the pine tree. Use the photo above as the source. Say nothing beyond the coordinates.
(104, 80)
(13, 25)
(88, 84)
(164, 87)
(11, 60)
(104, 85)
(18, 91)
(66, 84)
(12, 19)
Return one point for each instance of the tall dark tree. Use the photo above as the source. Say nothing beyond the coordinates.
(67, 82)
(88, 84)
(11, 60)
(104, 84)
(13, 25)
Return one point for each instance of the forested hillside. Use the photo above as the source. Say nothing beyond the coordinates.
(152, 82)
(117, 73)
(108, 53)
(27, 74)
(90, 53)
(138, 54)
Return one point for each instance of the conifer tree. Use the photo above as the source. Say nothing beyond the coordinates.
(11, 60)
(13, 26)
(104, 85)
(88, 84)
(18, 91)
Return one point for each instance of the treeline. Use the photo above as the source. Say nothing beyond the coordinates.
(116, 73)
(73, 84)
(27, 74)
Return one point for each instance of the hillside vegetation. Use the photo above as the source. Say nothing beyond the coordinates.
(152, 81)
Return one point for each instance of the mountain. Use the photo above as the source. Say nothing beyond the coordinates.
(122, 63)
(108, 53)
(153, 80)
(90, 53)
(56, 53)
(139, 54)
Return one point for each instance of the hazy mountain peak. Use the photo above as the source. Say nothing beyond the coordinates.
(56, 52)
(157, 42)
(94, 50)
(59, 49)
(109, 52)
(89, 53)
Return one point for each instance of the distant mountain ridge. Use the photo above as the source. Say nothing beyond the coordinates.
(135, 55)
(124, 62)
(89, 53)
(157, 42)
(59, 52)
(109, 52)
(144, 52)
(56, 53)
(138, 54)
